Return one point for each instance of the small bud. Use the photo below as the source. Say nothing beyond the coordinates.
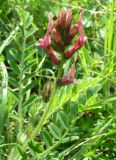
(69, 77)
(47, 88)
(62, 82)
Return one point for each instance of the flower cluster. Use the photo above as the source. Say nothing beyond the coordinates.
(60, 34)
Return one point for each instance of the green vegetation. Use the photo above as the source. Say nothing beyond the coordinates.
(81, 120)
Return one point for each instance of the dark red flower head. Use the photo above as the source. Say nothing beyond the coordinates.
(61, 35)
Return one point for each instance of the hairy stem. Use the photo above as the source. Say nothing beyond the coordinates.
(48, 107)
(20, 85)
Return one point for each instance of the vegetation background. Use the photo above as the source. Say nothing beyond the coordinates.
(81, 124)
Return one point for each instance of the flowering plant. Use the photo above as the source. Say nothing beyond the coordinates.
(60, 33)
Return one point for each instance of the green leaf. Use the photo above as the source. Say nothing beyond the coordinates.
(1, 58)
(54, 130)
(63, 119)
(30, 46)
(15, 67)
(26, 18)
(29, 19)
(104, 101)
(28, 66)
(28, 87)
(22, 152)
(9, 39)
(35, 147)
(82, 98)
(70, 139)
(15, 55)
(13, 82)
(30, 101)
(27, 77)
(30, 32)
(13, 93)
(46, 138)
(111, 134)
(3, 94)
(63, 95)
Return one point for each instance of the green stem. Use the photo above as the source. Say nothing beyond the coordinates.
(20, 86)
(48, 107)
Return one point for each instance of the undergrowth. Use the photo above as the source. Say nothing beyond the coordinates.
(81, 123)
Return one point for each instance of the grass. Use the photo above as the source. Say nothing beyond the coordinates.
(79, 120)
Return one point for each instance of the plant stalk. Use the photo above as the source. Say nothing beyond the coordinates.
(20, 86)
(48, 107)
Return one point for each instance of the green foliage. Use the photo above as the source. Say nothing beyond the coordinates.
(81, 123)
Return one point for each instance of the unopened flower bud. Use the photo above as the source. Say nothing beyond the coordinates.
(69, 77)
(68, 21)
(58, 22)
(46, 44)
(78, 44)
(47, 88)
(57, 39)
(63, 23)
(72, 33)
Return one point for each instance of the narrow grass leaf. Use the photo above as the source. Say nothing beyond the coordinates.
(3, 95)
